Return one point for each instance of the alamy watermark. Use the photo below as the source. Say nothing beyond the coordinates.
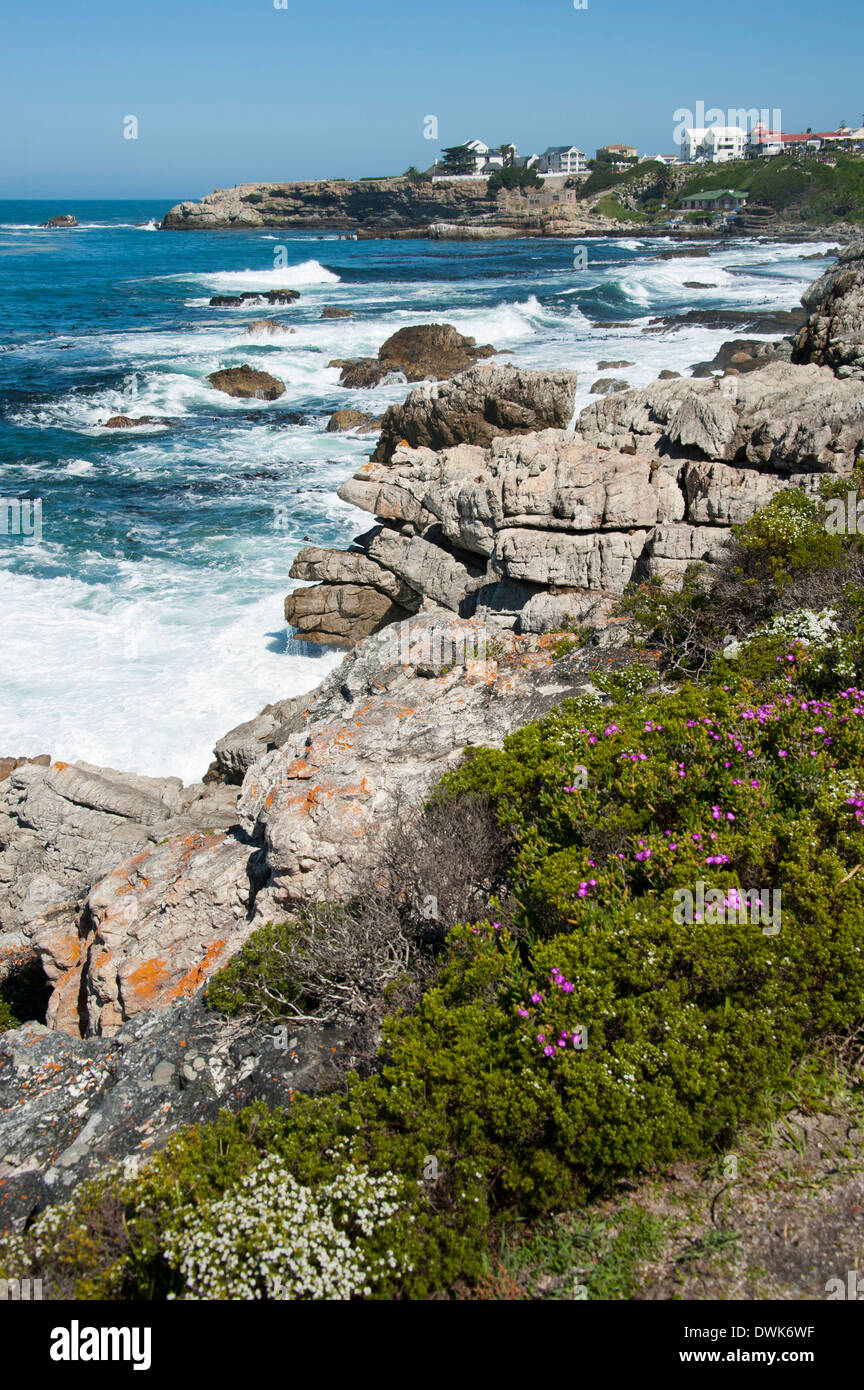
(845, 515)
(852, 1289)
(20, 1290)
(21, 516)
(442, 647)
(745, 118)
(729, 906)
(284, 1040)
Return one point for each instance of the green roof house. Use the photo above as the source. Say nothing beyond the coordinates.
(715, 200)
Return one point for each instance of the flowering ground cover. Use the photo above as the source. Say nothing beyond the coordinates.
(580, 1034)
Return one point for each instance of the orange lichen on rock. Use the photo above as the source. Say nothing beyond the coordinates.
(147, 980)
(197, 974)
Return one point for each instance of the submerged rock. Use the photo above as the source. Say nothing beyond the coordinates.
(236, 301)
(429, 351)
(246, 382)
(128, 422)
(744, 355)
(607, 385)
(349, 420)
(680, 252)
(270, 327)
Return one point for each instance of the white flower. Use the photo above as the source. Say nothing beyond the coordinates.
(271, 1238)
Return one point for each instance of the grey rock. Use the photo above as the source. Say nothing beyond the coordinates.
(478, 405)
(834, 333)
(780, 418)
(608, 385)
(73, 1108)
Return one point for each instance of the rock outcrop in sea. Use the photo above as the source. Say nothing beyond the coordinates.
(377, 205)
(247, 383)
(428, 351)
(549, 527)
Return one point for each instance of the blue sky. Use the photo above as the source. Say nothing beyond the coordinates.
(229, 91)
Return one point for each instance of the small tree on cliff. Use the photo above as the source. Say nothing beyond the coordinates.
(458, 159)
(512, 178)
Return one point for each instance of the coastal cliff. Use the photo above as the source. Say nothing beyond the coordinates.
(486, 507)
(370, 205)
(403, 207)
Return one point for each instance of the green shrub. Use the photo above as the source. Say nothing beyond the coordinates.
(512, 177)
(814, 191)
(270, 1238)
(593, 1033)
(783, 560)
(689, 1027)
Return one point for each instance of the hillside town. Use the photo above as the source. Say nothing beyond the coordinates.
(709, 144)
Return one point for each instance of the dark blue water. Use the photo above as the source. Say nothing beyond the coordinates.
(146, 619)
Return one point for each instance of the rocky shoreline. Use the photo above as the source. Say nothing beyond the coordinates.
(401, 208)
(487, 505)
(498, 522)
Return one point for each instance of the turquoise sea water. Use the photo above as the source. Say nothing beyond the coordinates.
(146, 619)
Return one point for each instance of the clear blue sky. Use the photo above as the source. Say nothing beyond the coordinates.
(229, 91)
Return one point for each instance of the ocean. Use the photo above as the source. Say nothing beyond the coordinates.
(146, 618)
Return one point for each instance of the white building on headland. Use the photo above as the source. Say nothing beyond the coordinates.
(562, 159)
(691, 143)
(483, 154)
(486, 160)
(767, 143)
(725, 142)
(716, 144)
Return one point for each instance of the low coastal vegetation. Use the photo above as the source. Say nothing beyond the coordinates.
(810, 189)
(646, 934)
(611, 206)
(604, 175)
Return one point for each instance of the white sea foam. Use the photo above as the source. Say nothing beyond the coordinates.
(267, 278)
(127, 680)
